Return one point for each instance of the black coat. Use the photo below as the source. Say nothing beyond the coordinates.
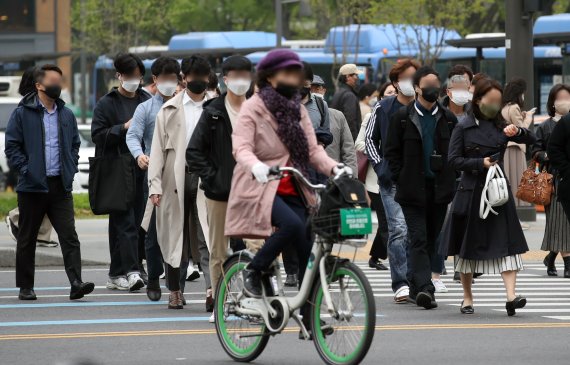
(404, 152)
(346, 100)
(538, 149)
(559, 155)
(25, 145)
(209, 153)
(465, 234)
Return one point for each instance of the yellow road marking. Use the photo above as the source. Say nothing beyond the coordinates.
(412, 327)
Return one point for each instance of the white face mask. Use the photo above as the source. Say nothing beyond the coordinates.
(460, 97)
(130, 85)
(562, 107)
(238, 86)
(470, 96)
(166, 88)
(373, 101)
(406, 88)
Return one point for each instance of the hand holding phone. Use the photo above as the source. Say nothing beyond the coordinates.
(495, 157)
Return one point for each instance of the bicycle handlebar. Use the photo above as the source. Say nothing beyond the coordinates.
(278, 173)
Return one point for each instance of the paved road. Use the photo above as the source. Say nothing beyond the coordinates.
(125, 328)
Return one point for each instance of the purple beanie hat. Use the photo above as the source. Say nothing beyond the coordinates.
(279, 58)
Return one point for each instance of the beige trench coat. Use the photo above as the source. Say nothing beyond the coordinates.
(166, 177)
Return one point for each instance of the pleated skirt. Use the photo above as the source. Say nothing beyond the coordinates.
(557, 230)
(490, 266)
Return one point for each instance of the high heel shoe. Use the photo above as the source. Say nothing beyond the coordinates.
(517, 303)
(467, 309)
(549, 262)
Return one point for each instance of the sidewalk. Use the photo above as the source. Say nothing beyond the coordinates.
(95, 249)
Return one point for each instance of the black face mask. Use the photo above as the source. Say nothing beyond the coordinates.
(304, 92)
(287, 90)
(52, 91)
(197, 86)
(430, 93)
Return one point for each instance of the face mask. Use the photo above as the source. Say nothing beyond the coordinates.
(52, 91)
(562, 107)
(286, 90)
(239, 86)
(372, 101)
(167, 88)
(131, 85)
(489, 111)
(460, 97)
(406, 88)
(305, 91)
(470, 96)
(430, 93)
(197, 86)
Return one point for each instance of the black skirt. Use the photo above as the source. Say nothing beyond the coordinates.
(473, 238)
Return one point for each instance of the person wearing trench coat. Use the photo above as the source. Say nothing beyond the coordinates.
(168, 177)
(493, 245)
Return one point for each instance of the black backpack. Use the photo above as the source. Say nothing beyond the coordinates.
(342, 193)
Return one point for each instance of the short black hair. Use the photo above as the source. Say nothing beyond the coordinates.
(236, 63)
(308, 72)
(514, 89)
(165, 66)
(423, 72)
(40, 72)
(552, 97)
(196, 65)
(366, 90)
(127, 63)
(460, 70)
(212, 80)
(27, 83)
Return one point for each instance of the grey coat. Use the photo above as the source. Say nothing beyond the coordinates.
(342, 148)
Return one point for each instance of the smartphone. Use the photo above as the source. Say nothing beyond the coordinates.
(495, 157)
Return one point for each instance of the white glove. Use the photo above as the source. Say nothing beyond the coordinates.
(342, 169)
(260, 171)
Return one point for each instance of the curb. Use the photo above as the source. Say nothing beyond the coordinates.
(8, 259)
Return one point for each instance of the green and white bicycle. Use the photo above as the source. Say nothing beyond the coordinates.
(342, 307)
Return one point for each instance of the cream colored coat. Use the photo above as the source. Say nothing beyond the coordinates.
(255, 139)
(513, 115)
(166, 177)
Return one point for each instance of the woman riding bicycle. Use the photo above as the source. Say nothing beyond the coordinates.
(274, 129)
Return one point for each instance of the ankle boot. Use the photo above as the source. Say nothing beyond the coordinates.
(549, 262)
(566, 266)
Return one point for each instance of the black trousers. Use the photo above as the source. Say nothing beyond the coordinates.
(124, 229)
(58, 205)
(379, 249)
(424, 225)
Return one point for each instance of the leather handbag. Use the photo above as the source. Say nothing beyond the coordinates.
(111, 181)
(536, 186)
(362, 161)
(495, 192)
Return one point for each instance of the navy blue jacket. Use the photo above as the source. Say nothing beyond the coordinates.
(25, 145)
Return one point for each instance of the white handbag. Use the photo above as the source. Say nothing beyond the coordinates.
(495, 193)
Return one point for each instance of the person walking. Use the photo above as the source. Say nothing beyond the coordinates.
(173, 188)
(345, 98)
(457, 98)
(417, 152)
(376, 132)
(557, 231)
(367, 96)
(209, 154)
(111, 120)
(42, 144)
(165, 71)
(493, 245)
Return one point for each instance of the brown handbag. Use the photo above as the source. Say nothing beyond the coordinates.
(536, 187)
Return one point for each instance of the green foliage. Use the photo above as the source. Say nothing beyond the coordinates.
(9, 201)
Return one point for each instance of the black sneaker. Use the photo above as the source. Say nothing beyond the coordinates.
(376, 264)
(426, 300)
(252, 283)
(291, 280)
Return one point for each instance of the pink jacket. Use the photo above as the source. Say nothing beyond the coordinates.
(255, 139)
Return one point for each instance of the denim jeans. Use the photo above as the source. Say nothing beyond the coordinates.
(397, 238)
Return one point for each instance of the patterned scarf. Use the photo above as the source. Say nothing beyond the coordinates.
(287, 112)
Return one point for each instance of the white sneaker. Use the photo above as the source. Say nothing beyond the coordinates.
(439, 286)
(402, 294)
(119, 283)
(212, 318)
(135, 282)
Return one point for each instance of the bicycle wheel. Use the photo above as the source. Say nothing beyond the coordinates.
(242, 337)
(354, 321)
